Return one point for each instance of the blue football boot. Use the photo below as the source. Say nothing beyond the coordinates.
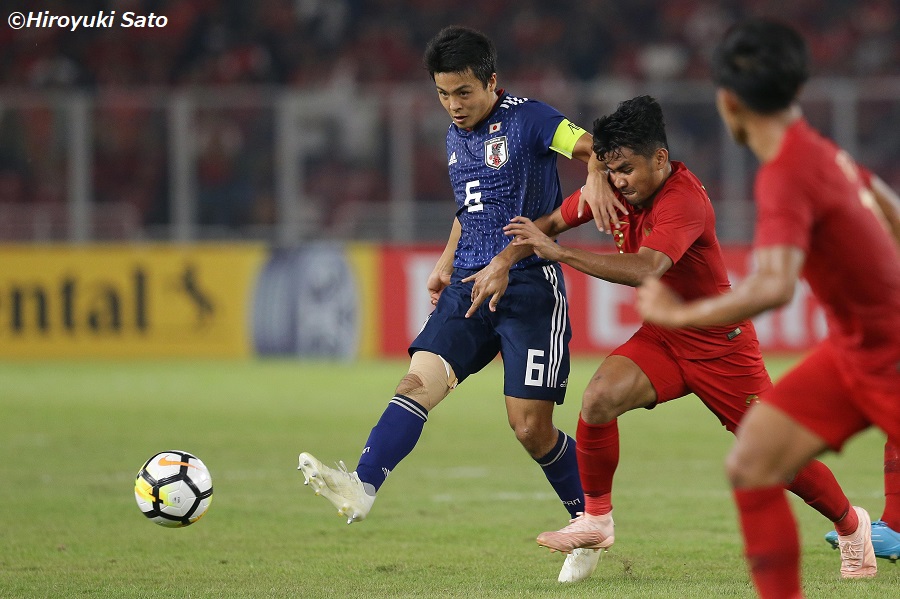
(885, 541)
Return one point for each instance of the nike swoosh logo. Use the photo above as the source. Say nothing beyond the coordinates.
(164, 461)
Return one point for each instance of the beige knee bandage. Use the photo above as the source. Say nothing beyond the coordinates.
(430, 378)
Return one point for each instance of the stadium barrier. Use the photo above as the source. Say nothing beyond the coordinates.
(197, 163)
(317, 300)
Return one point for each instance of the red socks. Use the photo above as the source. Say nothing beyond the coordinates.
(771, 542)
(891, 514)
(597, 446)
(816, 485)
(847, 525)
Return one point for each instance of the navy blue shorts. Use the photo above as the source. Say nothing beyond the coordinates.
(530, 330)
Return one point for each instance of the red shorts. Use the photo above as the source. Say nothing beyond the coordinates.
(727, 385)
(828, 397)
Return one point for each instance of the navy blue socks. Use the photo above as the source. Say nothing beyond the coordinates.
(393, 438)
(561, 469)
(400, 426)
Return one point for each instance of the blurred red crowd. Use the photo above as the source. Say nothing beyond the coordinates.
(317, 43)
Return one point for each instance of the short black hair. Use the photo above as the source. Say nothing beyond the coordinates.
(637, 124)
(456, 49)
(763, 61)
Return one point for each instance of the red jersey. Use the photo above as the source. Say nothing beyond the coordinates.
(679, 222)
(812, 196)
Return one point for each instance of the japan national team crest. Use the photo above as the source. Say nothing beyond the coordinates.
(495, 152)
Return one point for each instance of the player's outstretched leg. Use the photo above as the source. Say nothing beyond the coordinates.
(885, 541)
(343, 489)
(583, 532)
(392, 439)
(579, 565)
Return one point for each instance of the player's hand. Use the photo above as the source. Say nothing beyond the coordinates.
(658, 304)
(525, 232)
(604, 205)
(437, 281)
(490, 282)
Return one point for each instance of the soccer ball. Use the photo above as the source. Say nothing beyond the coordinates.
(173, 488)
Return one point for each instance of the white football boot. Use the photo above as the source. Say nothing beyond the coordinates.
(343, 489)
(579, 564)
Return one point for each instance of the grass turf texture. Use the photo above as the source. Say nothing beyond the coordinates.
(457, 519)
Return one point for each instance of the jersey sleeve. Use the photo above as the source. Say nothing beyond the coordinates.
(540, 122)
(680, 219)
(569, 211)
(783, 212)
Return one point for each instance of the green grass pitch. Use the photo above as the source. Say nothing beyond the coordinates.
(457, 518)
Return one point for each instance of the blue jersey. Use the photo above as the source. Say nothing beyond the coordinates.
(501, 169)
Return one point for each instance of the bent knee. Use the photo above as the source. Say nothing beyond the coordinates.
(736, 471)
(415, 387)
(410, 384)
(536, 435)
(524, 434)
(429, 379)
(601, 404)
(745, 471)
(536, 441)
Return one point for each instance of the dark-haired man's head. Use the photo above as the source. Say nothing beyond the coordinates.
(764, 62)
(462, 64)
(759, 68)
(458, 49)
(632, 143)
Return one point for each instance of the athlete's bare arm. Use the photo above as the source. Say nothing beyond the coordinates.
(597, 193)
(583, 151)
(440, 276)
(624, 269)
(598, 196)
(771, 285)
(492, 280)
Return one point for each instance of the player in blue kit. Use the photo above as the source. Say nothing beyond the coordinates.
(501, 154)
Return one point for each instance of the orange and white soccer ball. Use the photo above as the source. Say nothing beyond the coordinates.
(173, 488)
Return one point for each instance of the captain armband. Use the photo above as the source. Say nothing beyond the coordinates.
(567, 134)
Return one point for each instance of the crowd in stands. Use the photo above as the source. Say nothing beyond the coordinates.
(309, 42)
(314, 43)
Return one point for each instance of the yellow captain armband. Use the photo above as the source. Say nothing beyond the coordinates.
(565, 137)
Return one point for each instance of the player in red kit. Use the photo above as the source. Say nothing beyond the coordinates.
(669, 232)
(813, 220)
(885, 203)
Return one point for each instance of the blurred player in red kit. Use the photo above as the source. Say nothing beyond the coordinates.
(814, 219)
(885, 203)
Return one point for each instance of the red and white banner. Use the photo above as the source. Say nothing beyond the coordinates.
(602, 313)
